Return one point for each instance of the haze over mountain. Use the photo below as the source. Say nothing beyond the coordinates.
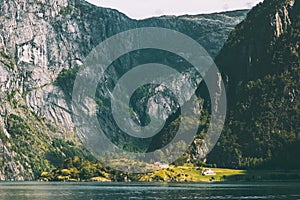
(141, 9)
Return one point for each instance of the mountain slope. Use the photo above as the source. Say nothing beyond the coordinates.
(40, 40)
(261, 66)
(265, 42)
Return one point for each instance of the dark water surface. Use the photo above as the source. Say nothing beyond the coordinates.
(170, 191)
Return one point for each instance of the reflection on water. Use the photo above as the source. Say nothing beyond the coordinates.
(115, 191)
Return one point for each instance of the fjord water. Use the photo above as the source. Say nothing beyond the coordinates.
(120, 191)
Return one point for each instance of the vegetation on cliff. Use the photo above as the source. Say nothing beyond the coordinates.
(262, 69)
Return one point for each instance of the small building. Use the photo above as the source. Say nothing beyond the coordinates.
(207, 172)
(162, 165)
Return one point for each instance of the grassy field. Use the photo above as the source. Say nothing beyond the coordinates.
(190, 173)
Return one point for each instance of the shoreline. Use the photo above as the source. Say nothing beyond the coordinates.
(180, 174)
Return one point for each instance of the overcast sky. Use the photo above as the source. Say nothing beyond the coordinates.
(140, 9)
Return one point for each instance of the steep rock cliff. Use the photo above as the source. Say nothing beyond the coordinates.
(260, 64)
(259, 44)
(40, 38)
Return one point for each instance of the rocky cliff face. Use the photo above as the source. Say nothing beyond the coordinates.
(256, 46)
(40, 38)
(260, 62)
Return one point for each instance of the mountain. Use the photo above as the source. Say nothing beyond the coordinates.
(260, 64)
(252, 52)
(42, 43)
